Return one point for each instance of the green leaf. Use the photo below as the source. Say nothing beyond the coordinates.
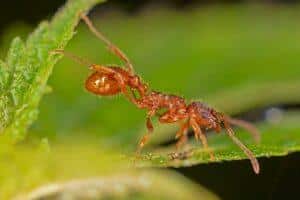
(221, 70)
(278, 139)
(24, 74)
(83, 166)
(130, 185)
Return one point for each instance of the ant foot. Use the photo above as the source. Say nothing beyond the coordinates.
(180, 155)
(212, 157)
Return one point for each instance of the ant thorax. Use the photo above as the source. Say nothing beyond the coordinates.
(159, 100)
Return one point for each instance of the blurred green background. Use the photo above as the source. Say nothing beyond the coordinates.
(242, 59)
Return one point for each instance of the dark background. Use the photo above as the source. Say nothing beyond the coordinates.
(280, 175)
(32, 11)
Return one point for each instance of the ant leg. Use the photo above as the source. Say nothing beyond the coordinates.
(136, 98)
(72, 56)
(200, 135)
(131, 97)
(149, 126)
(95, 67)
(113, 48)
(182, 135)
(253, 160)
(133, 93)
(102, 69)
(248, 126)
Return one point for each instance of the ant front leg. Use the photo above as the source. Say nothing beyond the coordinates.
(149, 126)
(113, 48)
(200, 135)
(102, 69)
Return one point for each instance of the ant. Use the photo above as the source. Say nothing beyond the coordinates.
(108, 80)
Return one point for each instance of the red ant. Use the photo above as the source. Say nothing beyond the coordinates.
(107, 80)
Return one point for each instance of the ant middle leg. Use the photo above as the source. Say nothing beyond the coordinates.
(113, 48)
(200, 135)
(172, 116)
(181, 135)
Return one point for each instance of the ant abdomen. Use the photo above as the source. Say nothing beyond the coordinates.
(102, 84)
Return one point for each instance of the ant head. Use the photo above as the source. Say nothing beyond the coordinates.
(221, 120)
(219, 117)
(102, 84)
(206, 116)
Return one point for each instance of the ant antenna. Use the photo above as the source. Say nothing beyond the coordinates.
(72, 56)
(253, 160)
(249, 127)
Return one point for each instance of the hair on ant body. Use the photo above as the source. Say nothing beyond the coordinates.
(107, 80)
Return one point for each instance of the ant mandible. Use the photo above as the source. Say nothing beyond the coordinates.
(108, 80)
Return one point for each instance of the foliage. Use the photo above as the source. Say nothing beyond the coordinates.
(220, 58)
(28, 65)
(74, 165)
(278, 139)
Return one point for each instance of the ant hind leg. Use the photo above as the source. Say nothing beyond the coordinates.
(113, 48)
(71, 56)
(149, 126)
